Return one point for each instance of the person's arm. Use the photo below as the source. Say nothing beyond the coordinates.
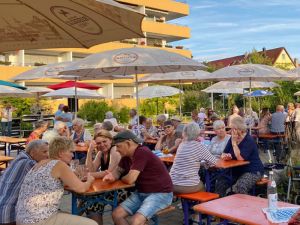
(114, 175)
(131, 177)
(236, 149)
(63, 172)
(92, 165)
(173, 149)
(158, 145)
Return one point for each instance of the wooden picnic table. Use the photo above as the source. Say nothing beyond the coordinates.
(225, 164)
(169, 159)
(5, 160)
(271, 136)
(80, 148)
(8, 141)
(98, 187)
(240, 208)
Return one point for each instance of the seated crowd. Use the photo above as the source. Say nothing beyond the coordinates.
(31, 188)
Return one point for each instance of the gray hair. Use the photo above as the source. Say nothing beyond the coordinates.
(107, 125)
(218, 124)
(161, 117)
(191, 131)
(40, 124)
(79, 122)
(58, 125)
(35, 145)
(239, 123)
(109, 115)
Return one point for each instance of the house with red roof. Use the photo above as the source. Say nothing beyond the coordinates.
(279, 57)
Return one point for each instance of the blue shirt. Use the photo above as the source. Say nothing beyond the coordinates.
(249, 152)
(278, 122)
(58, 113)
(68, 116)
(10, 185)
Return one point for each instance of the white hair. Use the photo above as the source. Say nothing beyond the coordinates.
(35, 145)
(58, 125)
(191, 131)
(79, 122)
(218, 124)
(109, 115)
(239, 123)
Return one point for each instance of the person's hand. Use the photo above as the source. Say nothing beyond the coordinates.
(226, 156)
(92, 146)
(109, 177)
(234, 137)
(90, 178)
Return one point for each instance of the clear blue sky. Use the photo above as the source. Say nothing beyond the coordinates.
(224, 28)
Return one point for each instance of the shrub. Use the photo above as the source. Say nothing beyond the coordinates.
(94, 111)
(123, 115)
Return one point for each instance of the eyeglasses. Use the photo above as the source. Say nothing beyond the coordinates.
(169, 126)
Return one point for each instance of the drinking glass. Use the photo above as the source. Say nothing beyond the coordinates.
(73, 164)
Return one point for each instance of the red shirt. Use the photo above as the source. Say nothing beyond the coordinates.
(154, 176)
(33, 136)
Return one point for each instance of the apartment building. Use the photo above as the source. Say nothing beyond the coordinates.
(159, 29)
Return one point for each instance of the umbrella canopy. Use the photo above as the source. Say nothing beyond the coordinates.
(70, 93)
(9, 84)
(28, 24)
(297, 93)
(258, 93)
(6, 91)
(242, 85)
(38, 90)
(51, 71)
(181, 76)
(130, 61)
(251, 72)
(158, 91)
(228, 90)
(68, 84)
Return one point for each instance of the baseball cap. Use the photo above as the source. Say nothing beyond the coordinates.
(176, 118)
(126, 135)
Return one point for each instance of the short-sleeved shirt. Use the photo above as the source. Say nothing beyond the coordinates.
(217, 146)
(153, 177)
(58, 113)
(278, 122)
(249, 152)
(10, 185)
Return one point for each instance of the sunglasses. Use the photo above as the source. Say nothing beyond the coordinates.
(169, 126)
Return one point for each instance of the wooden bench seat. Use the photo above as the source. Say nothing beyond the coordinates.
(191, 199)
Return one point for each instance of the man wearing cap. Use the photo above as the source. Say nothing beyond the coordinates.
(153, 184)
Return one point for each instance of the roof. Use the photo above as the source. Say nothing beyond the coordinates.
(273, 54)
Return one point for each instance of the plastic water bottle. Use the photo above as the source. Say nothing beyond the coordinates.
(272, 192)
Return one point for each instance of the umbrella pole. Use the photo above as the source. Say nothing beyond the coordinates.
(180, 99)
(137, 100)
(157, 106)
(75, 98)
(212, 100)
(250, 102)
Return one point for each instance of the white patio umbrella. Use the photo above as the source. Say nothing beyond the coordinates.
(250, 73)
(70, 93)
(131, 61)
(180, 77)
(35, 24)
(243, 85)
(297, 93)
(158, 91)
(6, 91)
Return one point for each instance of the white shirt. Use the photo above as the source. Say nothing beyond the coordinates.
(7, 113)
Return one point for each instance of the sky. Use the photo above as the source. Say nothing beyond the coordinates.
(225, 28)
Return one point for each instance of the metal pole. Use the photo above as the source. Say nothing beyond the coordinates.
(75, 98)
(180, 99)
(137, 99)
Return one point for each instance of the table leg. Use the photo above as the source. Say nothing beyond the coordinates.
(74, 205)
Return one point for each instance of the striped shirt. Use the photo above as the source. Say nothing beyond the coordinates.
(10, 185)
(184, 171)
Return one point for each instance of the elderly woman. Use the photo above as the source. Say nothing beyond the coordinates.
(184, 172)
(241, 146)
(219, 142)
(107, 159)
(168, 141)
(80, 135)
(235, 114)
(109, 116)
(265, 119)
(160, 119)
(43, 188)
(37, 133)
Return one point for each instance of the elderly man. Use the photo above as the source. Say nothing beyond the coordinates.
(59, 129)
(12, 179)
(153, 183)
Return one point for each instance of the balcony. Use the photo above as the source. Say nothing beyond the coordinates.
(169, 8)
(169, 32)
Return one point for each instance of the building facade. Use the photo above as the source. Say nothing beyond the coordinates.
(159, 31)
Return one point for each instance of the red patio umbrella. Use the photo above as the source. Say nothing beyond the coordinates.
(70, 83)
